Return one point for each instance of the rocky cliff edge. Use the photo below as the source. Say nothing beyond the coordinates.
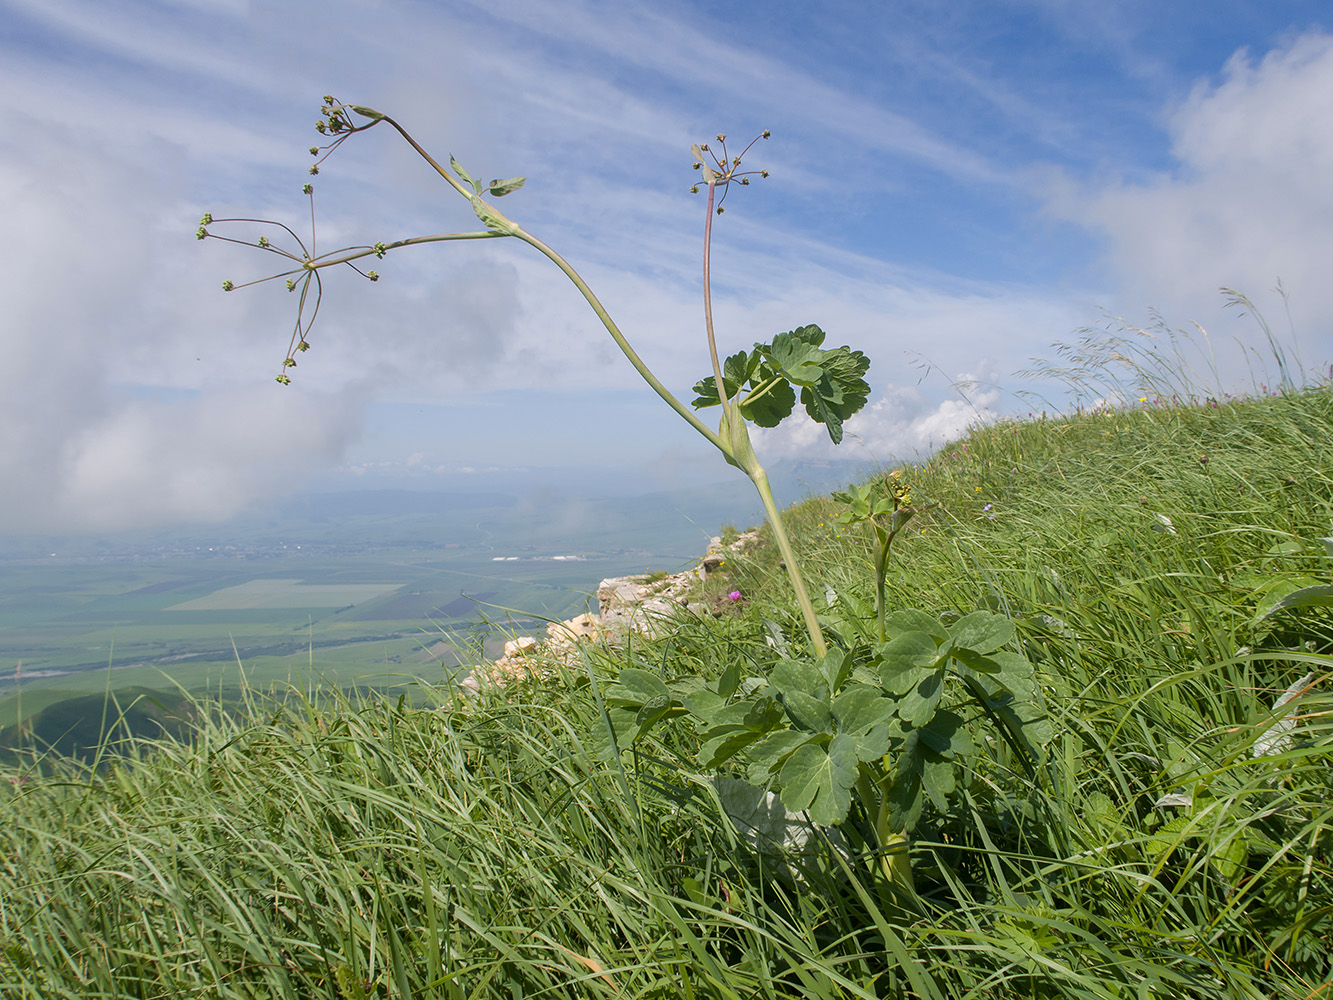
(625, 604)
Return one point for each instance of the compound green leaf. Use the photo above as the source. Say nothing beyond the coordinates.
(905, 660)
(729, 681)
(912, 620)
(796, 358)
(858, 707)
(859, 499)
(771, 752)
(973, 660)
(798, 675)
(764, 715)
(982, 631)
(870, 744)
(840, 391)
(1027, 721)
(809, 713)
(704, 704)
(721, 748)
(499, 189)
(810, 333)
(625, 728)
(1167, 837)
(733, 714)
(1231, 856)
(635, 687)
(770, 404)
(820, 781)
(820, 405)
(736, 371)
(835, 666)
(946, 734)
(919, 703)
(937, 780)
(652, 710)
(904, 794)
(1016, 674)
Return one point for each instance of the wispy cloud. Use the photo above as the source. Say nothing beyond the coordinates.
(1247, 202)
(910, 213)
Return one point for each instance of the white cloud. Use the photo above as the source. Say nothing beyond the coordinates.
(107, 159)
(1249, 202)
(100, 289)
(903, 424)
(204, 459)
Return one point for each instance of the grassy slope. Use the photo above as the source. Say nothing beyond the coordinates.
(373, 850)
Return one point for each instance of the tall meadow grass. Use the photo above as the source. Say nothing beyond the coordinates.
(1175, 842)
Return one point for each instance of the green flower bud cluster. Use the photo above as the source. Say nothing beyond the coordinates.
(724, 169)
(333, 118)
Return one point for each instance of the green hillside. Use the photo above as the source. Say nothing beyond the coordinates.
(1152, 818)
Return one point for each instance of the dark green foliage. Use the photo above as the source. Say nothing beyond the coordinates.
(831, 382)
(814, 729)
(1162, 831)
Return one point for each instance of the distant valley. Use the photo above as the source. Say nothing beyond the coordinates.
(383, 587)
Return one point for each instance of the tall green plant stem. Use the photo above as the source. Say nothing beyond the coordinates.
(742, 455)
(505, 227)
(895, 861)
(760, 479)
(885, 540)
(733, 440)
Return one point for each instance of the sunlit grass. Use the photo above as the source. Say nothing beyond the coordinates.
(1177, 843)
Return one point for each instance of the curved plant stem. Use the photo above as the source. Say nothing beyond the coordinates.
(573, 275)
(689, 415)
(708, 305)
(760, 479)
(733, 425)
(885, 540)
(733, 441)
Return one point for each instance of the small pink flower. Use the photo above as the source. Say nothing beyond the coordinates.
(735, 595)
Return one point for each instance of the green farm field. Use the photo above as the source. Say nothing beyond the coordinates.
(67, 630)
(382, 589)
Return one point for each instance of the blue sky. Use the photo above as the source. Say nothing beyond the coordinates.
(954, 188)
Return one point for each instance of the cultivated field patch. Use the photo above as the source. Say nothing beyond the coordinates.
(282, 593)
